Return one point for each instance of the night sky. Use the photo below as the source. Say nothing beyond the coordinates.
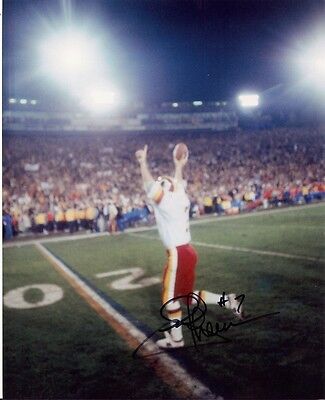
(164, 50)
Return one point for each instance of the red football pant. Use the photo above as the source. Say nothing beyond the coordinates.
(179, 274)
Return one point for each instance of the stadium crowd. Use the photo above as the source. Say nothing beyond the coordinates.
(81, 181)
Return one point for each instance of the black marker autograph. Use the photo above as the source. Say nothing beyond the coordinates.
(194, 320)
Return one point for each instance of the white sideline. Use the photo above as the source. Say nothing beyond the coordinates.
(191, 384)
(202, 220)
(243, 249)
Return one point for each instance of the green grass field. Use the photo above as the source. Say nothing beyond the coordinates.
(66, 350)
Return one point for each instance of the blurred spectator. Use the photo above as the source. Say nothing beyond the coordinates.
(71, 219)
(50, 221)
(81, 217)
(60, 219)
(7, 231)
(112, 216)
(40, 222)
(91, 215)
(208, 204)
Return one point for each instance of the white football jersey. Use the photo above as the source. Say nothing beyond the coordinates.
(171, 207)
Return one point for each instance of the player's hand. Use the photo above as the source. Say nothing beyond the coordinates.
(182, 162)
(141, 155)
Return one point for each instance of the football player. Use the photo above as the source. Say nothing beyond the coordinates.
(171, 208)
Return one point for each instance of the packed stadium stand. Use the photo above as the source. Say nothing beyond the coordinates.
(55, 181)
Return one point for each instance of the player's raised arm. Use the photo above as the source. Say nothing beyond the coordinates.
(180, 157)
(141, 156)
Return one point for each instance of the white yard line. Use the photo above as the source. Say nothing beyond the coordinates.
(20, 243)
(200, 221)
(261, 252)
(165, 366)
(242, 249)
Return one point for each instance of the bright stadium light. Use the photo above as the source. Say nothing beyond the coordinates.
(307, 57)
(101, 98)
(12, 101)
(248, 100)
(312, 63)
(318, 66)
(23, 101)
(197, 103)
(76, 61)
(69, 56)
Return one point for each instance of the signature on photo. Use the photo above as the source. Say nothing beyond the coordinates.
(195, 320)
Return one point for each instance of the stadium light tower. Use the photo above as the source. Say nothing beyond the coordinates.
(248, 100)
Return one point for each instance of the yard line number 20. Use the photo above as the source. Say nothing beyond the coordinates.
(50, 294)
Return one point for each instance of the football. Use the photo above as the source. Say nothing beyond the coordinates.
(180, 151)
